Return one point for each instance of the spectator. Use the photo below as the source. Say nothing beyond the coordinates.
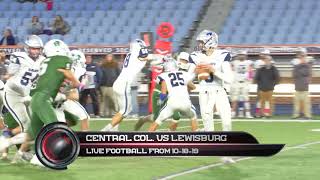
(266, 77)
(8, 38)
(110, 71)
(302, 78)
(3, 69)
(92, 81)
(59, 26)
(35, 27)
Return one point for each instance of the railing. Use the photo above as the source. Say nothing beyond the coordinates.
(290, 49)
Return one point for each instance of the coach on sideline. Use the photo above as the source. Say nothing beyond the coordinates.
(302, 77)
(266, 78)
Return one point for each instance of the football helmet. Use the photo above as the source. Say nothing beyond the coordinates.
(207, 40)
(56, 47)
(169, 64)
(78, 58)
(183, 61)
(33, 46)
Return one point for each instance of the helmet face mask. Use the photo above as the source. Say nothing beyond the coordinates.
(34, 53)
(33, 46)
(207, 40)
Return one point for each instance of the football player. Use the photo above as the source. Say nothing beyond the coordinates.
(156, 104)
(211, 91)
(135, 60)
(23, 71)
(174, 91)
(214, 66)
(240, 87)
(56, 69)
(66, 102)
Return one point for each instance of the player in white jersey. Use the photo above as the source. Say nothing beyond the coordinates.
(67, 99)
(174, 86)
(240, 87)
(135, 60)
(211, 90)
(214, 69)
(23, 72)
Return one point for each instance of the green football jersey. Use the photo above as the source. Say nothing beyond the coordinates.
(50, 78)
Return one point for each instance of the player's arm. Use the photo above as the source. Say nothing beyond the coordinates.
(226, 73)
(163, 94)
(68, 74)
(191, 86)
(73, 94)
(13, 66)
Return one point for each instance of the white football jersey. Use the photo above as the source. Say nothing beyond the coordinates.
(241, 69)
(24, 71)
(220, 60)
(130, 69)
(176, 82)
(78, 70)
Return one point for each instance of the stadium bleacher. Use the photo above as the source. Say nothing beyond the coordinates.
(91, 20)
(271, 22)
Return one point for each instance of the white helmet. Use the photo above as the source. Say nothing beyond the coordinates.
(78, 58)
(169, 64)
(182, 57)
(139, 48)
(208, 39)
(56, 47)
(35, 42)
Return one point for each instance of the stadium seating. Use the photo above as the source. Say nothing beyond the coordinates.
(123, 19)
(271, 22)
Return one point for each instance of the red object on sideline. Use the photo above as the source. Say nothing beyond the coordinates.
(49, 5)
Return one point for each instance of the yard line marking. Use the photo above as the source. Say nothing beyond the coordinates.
(237, 160)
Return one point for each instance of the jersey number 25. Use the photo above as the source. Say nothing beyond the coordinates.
(176, 79)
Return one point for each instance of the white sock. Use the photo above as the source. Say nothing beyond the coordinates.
(108, 127)
(20, 152)
(208, 124)
(115, 128)
(18, 139)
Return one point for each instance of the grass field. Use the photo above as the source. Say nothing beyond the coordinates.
(300, 159)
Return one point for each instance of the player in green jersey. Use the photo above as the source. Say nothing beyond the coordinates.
(53, 71)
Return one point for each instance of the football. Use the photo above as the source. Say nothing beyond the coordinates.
(203, 72)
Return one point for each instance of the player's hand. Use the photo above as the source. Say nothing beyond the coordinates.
(69, 76)
(67, 73)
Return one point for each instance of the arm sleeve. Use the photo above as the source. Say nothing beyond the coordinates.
(277, 76)
(99, 75)
(226, 74)
(256, 76)
(14, 65)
